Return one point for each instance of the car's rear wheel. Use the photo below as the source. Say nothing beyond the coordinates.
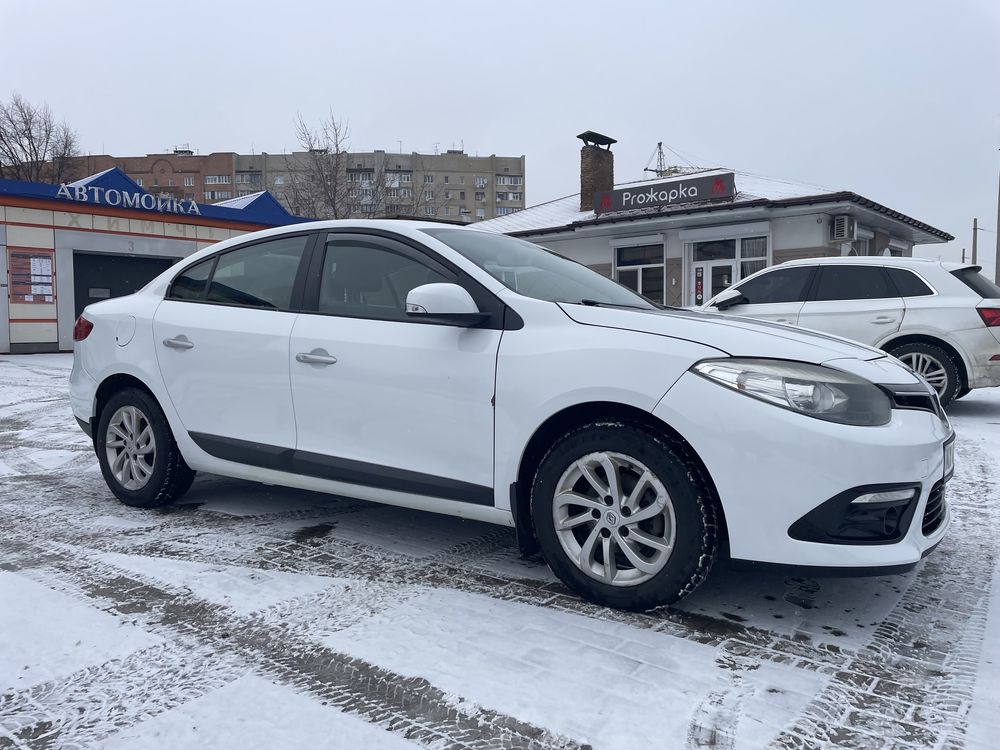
(137, 452)
(963, 393)
(934, 365)
(623, 516)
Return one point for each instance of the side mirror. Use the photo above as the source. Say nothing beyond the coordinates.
(729, 298)
(444, 303)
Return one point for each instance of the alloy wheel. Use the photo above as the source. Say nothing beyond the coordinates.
(131, 447)
(929, 368)
(614, 518)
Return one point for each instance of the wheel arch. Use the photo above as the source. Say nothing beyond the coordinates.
(112, 385)
(924, 338)
(558, 425)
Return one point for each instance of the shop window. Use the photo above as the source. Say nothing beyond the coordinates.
(715, 250)
(641, 268)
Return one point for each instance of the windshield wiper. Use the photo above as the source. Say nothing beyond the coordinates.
(596, 303)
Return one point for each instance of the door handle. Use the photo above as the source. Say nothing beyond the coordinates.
(180, 342)
(883, 319)
(315, 357)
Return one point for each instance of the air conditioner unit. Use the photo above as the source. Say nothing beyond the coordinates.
(843, 228)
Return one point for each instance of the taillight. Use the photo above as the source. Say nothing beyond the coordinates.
(82, 329)
(990, 315)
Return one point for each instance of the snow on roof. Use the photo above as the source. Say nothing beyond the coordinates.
(564, 211)
(241, 202)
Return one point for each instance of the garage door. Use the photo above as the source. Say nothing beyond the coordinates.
(98, 276)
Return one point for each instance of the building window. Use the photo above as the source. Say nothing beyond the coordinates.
(138, 181)
(504, 210)
(279, 179)
(170, 182)
(188, 182)
(480, 213)
(481, 182)
(392, 192)
(446, 179)
(428, 195)
(516, 196)
(218, 195)
(447, 210)
(406, 192)
(503, 196)
(480, 195)
(428, 179)
(429, 211)
(461, 195)
(509, 179)
(217, 179)
(642, 269)
(461, 179)
(447, 195)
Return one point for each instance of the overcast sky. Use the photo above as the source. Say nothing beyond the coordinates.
(897, 101)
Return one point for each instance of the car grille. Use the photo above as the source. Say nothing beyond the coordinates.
(935, 511)
(915, 399)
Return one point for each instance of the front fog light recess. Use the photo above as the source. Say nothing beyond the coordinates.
(821, 392)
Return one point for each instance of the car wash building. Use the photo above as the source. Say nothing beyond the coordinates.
(65, 246)
(681, 239)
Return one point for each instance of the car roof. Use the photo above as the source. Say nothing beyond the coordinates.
(879, 260)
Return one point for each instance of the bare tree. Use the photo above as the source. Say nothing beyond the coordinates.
(317, 178)
(33, 146)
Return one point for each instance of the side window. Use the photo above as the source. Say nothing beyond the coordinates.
(853, 282)
(193, 282)
(260, 275)
(366, 280)
(907, 283)
(781, 285)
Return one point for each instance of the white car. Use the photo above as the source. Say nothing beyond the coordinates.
(468, 373)
(941, 319)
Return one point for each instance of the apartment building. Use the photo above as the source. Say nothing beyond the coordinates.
(449, 186)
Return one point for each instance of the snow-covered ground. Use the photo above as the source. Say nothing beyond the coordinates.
(254, 617)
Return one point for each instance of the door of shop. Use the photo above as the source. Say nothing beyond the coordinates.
(710, 277)
(98, 276)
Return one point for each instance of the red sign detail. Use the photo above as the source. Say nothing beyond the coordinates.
(717, 187)
(605, 202)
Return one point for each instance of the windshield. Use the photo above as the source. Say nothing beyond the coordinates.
(536, 272)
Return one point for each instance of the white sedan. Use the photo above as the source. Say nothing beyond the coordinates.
(462, 372)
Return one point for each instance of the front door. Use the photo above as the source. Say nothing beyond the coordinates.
(221, 339)
(380, 399)
(709, 278)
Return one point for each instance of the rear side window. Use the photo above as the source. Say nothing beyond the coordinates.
(193, 282)
(977, 282)
(782, 285)
(908, 284)
(260, 275)
(853, 282)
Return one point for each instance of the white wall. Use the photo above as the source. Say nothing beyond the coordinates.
(794, 232)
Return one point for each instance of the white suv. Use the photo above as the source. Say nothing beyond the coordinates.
(469, 373)
(941, 319)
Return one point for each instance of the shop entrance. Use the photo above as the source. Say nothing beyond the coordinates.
(711, 277)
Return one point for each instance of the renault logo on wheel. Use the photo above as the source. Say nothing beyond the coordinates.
(611, 518)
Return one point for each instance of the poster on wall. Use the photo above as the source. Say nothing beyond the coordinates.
(32, 278)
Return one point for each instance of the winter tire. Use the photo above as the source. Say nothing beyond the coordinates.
(137, 452)
(934, 365)
(624, 516)
(962, 393)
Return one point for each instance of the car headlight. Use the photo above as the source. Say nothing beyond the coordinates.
(821, 392)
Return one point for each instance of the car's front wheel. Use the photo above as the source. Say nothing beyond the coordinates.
(137, 452)
(623, 516)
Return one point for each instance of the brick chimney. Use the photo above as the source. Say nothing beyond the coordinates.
(597, 167)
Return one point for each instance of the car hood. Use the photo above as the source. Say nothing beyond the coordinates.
(745, 337)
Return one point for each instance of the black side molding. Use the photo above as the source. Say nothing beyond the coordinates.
(85, 426)
(345, 470)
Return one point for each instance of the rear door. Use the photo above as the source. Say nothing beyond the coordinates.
(222, 338)
(776, 295)
(857, 302)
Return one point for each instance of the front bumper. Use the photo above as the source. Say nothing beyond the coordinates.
(772, 466)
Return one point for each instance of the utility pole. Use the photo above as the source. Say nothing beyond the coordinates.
(975, 235)
(996, 272)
